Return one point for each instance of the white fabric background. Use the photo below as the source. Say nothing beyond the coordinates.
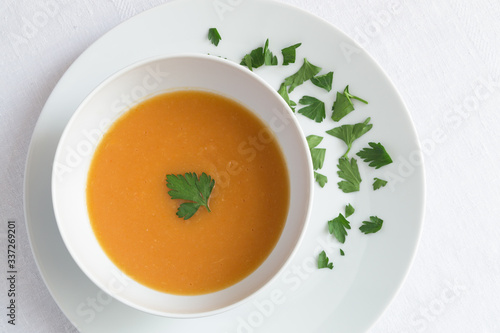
(443, 56)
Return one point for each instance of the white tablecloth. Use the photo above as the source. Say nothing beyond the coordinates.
(443, 56)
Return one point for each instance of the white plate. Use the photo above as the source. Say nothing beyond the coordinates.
(348, 298)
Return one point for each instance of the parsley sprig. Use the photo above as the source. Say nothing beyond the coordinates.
(314, 110)
(348, 170)
(289, 54)
(338, 227)
(350, 133)
(343, 104)
(372, 226)
(306, 72)
(190, 188)
(378, 183)
(214, 36)
(376, 155)
(324, 261)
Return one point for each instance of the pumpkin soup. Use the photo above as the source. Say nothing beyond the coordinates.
(134, 218)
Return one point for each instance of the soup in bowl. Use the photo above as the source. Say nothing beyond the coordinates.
(182, 185)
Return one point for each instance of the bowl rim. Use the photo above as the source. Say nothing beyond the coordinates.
(309, 181)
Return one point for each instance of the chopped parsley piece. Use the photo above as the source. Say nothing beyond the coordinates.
(313, 140)
(349, 133)
(247, 61)
(289, 54)
(269, 58)
(378, 183)
(282, 91)
(191, 188)
(258, 57)
(315, 109)
(350, 173)
(254, 59)
(323, 81)
(318, 157)
(317, 154)
(343, 104)
(306, 72)
(338, 227)
(349, 210)
(372, 226)
(321, 179)
(214, 36)
(376, 155)
(342, 252)
(324, 261)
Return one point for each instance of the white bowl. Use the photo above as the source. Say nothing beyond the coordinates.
(110, 100)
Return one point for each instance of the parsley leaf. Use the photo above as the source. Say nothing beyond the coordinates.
(372, 226)
(247, 61)
(338, 227)
(258, 57)
(378, 183)
(317, 154)
(282, 91)
(323, 81)
(349, 210)
(349, 133)
(191, 188)
(315, 109)
(343, 104)
(318, 157)
(350, 172)
(289, 54)
(306, 72)
(342, 252)
(324, 261)
(321, 179)
(269, 58)
(313, 141)
(254, 59)
(376, 155)
(214, 36)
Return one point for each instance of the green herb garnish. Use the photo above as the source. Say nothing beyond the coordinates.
(338, 227)
(258, 57)
(372, 226)
(269, 58)
(318, 157)
(214, 36)
(349, 133)
(324, 261)
(343, 104)
(317, 154)
(378, 183)
(313, 140)
(314, 110)
(342, 252)
(323, 81)
(350, 173)
(376, 155)
(254, 59)
(321, 179)
(289, 54)
(349, 210)
(282, 91)
(191, 188)
(306, 72)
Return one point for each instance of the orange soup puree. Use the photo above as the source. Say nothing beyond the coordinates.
(134, 218)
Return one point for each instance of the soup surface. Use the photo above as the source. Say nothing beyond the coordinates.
(134, 218)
